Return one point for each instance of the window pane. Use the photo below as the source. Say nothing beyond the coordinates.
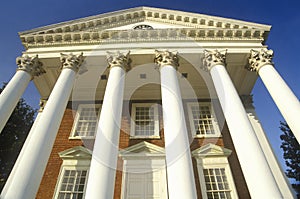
(87, 121)
(216, 183)
(72, 184)
(202, 119)
(144, 120)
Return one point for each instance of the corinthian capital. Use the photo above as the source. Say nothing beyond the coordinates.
(71, 61)
(163, 58)
(32, 65)
(213, 58)
(119, 59)
(260, 58)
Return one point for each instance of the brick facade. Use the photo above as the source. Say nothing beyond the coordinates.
(63, 142)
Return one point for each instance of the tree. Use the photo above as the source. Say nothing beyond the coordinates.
(291, 154)
(13, 136)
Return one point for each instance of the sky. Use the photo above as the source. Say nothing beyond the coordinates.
(284, 16)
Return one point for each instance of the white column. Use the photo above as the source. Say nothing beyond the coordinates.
(101, 180)
(28, 67)
(287, 103)
(257, 173)
(181, 180)
(27, 177)
(24, 148)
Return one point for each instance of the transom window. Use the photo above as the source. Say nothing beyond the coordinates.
(216, 183)
(86, 120)
(202, 120)
(144, 120)
(72, 184)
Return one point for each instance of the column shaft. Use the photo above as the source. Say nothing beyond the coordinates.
(284, 98)
(26, 178)
(11, 95)
(101, 179)
(258, 175)
(181, 182)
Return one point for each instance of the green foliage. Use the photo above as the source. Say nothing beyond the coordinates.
(291, 154)
(13, 136)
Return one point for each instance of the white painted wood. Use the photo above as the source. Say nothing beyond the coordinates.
(11, 95)
(101, 178)
(256, 170)
(181, 183)
(27, 177)
(287, 103)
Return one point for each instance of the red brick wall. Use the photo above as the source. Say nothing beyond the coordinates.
(62, 143)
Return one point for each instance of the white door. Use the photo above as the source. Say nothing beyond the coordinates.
(146, 185)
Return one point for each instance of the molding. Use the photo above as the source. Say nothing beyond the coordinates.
(212, 58)
(31, 65)
(71, 61)
(143, 150)
(91, 30)
(259, 59)
(118, 59)
(78, 152)
(166, 58)
(211, 150)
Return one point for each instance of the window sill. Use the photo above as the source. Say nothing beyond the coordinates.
(81, 137)
(143, 137)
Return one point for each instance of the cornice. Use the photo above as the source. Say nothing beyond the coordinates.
(94, 29)
(127, 36)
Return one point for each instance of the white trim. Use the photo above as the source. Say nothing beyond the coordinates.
(76, 158)
(212, 156)
(156, 120)
(214, 120)
(61, 175)
(144, 157)
(76, 120)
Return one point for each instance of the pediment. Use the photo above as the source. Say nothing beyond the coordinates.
(211, 150)
(119, 26)
(143, 149)
(78, 152)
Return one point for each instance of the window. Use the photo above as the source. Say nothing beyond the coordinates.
(72, 184)
(73, 175)
(86, 121)
(216, 183)
(202, 120)
(145, 122)
(215, 176)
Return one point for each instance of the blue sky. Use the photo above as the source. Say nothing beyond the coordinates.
(284, 16)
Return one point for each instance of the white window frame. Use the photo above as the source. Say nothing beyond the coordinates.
(76, 121)
(212, 156)
(214, 120)
(77, 158)
(156, 120)
(61, 176)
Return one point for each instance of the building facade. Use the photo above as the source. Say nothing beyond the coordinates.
(147, 103)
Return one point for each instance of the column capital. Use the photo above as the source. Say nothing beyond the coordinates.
(259, 59)
(119, 59)
(163, 58)
(212, 58)
(32, 65)
(71, 61)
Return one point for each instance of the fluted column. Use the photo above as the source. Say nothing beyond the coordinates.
(287, 103)
(101, 180)
(28, 68)
(257, 173)
(27, 176)
(181, 182)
